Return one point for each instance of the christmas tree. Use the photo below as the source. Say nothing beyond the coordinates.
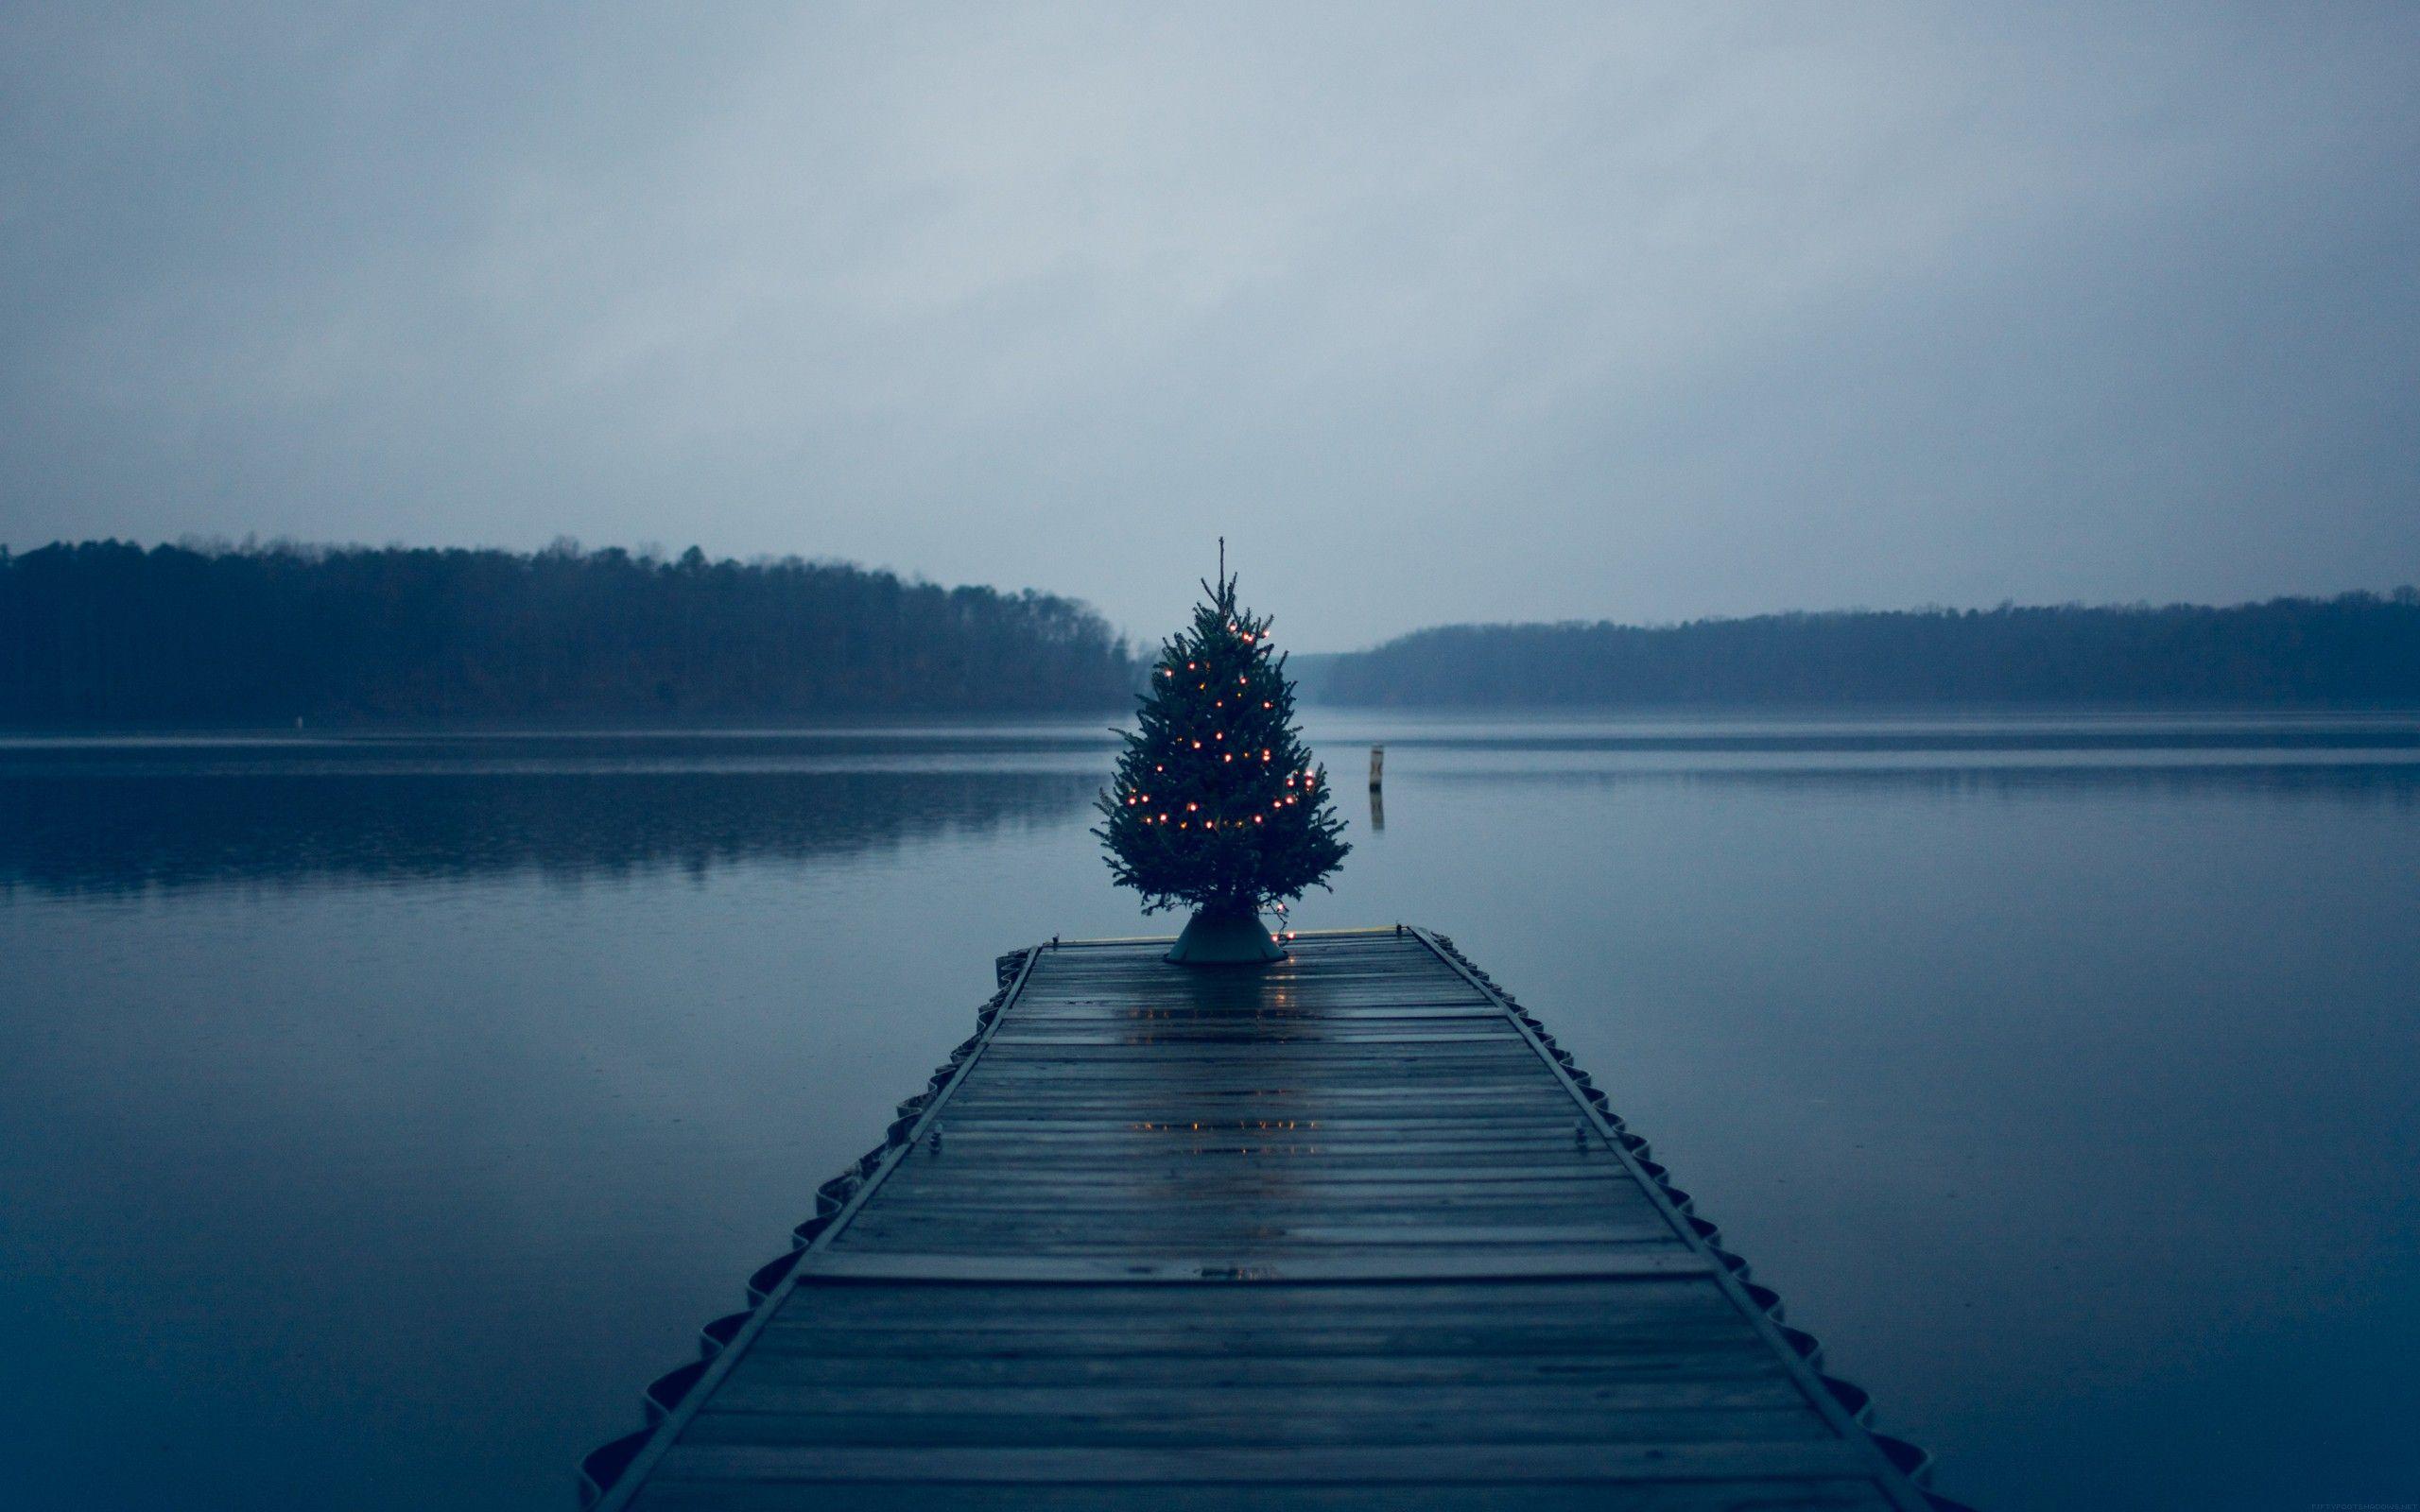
(1217, 804)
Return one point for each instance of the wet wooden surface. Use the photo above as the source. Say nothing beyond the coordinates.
(1332, 1234)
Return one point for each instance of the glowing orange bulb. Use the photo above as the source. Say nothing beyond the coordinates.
(1190, 808)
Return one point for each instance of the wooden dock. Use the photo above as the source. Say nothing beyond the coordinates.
(1347, 1232)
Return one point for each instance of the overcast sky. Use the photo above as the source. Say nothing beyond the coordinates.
(1487, 311)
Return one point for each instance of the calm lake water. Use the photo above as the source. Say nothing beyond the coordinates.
(378, 1116)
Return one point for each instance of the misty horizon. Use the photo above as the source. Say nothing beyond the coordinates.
(1142, 637)
(109, 635)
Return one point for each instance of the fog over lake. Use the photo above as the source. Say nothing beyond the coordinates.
(382, 1114)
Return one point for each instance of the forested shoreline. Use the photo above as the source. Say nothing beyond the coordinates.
(2354, 650)
(109, 634)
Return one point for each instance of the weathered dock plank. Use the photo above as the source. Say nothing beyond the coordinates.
(1341, 1233)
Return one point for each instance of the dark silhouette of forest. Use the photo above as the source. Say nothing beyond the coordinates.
(2357, 650)
(110, 634)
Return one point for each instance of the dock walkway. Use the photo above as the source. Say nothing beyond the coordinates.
(1346, 1233)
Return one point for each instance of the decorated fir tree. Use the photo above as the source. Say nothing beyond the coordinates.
(1217, 804)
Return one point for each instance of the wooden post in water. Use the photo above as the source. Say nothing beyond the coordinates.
(1378, 765)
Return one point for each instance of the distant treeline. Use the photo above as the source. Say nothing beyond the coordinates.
(110, 634)
(2356, 650)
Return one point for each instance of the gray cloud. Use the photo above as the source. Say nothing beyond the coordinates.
(1467, 311)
